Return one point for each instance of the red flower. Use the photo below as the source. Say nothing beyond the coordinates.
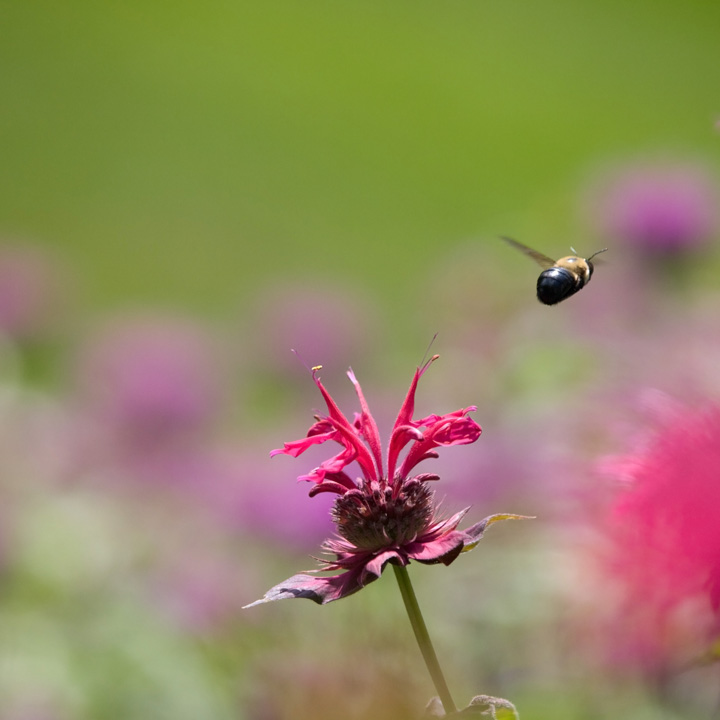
(387, 515)
(666, 536)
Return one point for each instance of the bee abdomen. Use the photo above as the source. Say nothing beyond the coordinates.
(556, 284)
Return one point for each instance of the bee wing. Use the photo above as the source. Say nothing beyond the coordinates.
(543, 260)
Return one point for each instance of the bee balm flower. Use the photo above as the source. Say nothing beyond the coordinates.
(387, 515)
(660, 208)
(665, 533)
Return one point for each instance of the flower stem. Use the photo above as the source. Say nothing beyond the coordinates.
(423, 639)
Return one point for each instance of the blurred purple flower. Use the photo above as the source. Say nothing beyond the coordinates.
(29, 291)
(385, 516)
(661, 207)
(34, 711)
(200, 593)
(499, 472)
(256, 500)
(322, 322)
(152, 380)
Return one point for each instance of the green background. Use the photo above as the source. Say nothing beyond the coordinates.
(185, 153)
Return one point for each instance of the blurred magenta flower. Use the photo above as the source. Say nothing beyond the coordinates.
(266, 510)
(665, 533)
(661, 207)
(333, 323)
(387, 515)
(152, 379)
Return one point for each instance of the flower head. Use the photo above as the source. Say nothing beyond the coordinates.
(660, 207)
(386, 515)
(666, 535)
(153, 378)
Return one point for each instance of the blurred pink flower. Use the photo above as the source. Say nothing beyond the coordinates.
(334, 324)
(34, 710)
(241, 495)
(29, 291)
(152, 379)
(665, 533)
(383, 516)
(658, 206)
(256, 500)
(199, 592)
(499, 473)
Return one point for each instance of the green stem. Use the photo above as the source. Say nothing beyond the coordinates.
(423, 639)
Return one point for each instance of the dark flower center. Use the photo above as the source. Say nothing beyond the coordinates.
(371, 518)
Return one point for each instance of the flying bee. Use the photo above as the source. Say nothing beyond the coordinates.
(560, 278)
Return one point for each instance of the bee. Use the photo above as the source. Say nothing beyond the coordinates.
(560, 278)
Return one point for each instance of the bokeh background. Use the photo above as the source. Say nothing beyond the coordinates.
(187, 192)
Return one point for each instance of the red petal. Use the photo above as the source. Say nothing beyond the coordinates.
(331, 467)
(373, 568)
(399, 436)
(444, 430)
(348, 434)
(368, 426)
(338, 483)
(298, 447)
